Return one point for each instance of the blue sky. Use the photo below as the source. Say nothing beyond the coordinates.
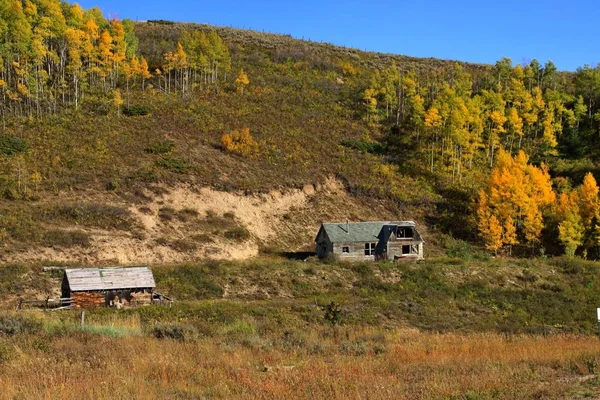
(482, 31)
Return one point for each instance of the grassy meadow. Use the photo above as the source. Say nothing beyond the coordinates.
(270, 328)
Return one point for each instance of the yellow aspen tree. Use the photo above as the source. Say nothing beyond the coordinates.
(515, 125)
(518, 194)
(571, 231)
(105, 50)
(117, 100)
(74, 40)
(488, 224)
(181, 65)
(370, 102)
(497, 121)
(433, 123)
(242, 81)
(588, 200)
(509, 234)
(119, 53)
(549, 133)
(144, 71)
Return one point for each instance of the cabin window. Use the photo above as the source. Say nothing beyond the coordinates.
(370, 249)
(405, 233)
(405, 250)
(345, 250)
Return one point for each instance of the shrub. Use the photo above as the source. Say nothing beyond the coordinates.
(173, 164)
(333, 313)
(66, 238)
(11, 145)
(184, 245)
(186, 214)
(162, 147)
(238, 233)
(89, 214)
(182, 333)
(365, 147)
(202, 238)
(13, 325)
(166, 213)
(135, 111)
(353, 348)
(240, 142)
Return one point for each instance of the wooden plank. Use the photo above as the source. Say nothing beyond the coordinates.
(110, 278)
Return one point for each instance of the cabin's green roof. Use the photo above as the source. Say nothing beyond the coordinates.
(358, 231)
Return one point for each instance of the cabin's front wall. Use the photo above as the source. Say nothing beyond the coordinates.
(88, 299)
(354, 251)
(394, 250)
(112, 298)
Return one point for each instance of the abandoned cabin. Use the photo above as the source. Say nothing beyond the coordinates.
(377, 240)
(115, 287)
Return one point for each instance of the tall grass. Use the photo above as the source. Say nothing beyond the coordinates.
(335, 364)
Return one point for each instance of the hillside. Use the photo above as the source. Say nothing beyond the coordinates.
(159, 187)
(177, 142)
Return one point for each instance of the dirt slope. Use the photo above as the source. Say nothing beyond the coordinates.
(185, 223)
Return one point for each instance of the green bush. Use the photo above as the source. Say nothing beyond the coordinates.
(365, 147)
(136, 111)
(14, 325)
(163, 147)
(11, 145)
(182, 333)
(173, 164)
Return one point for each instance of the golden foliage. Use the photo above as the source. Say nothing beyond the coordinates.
(571, 231)
(514, 201)
(240, 142)
(242, 81)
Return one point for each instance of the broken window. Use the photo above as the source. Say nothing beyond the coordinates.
(405, 233)
(345, 250)
(406, 249)
(370, 249)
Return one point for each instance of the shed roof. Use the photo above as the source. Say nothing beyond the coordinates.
(359, 231)
(86, 279)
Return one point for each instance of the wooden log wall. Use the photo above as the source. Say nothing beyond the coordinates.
(88, 300)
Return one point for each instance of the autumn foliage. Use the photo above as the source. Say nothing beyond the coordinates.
(511, 208)
(240, 142)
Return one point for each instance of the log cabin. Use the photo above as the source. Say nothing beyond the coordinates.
(114, 287)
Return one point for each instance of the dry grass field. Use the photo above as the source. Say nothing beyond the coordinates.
(334, 363)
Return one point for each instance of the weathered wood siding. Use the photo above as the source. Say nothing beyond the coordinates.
(93, 279)
(395, 249)
(356, 251)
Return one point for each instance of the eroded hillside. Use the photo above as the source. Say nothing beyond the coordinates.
(183, 223)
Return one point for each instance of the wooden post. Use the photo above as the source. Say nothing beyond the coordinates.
(82, 318)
